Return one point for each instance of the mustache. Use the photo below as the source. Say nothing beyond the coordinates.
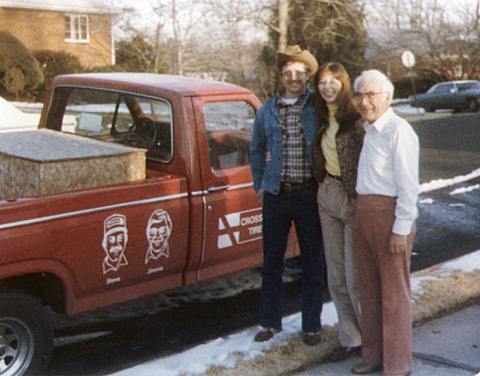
(115, 250)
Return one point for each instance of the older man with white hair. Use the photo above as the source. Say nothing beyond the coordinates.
(384, 228)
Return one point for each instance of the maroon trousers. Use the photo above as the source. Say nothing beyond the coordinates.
(385, 297)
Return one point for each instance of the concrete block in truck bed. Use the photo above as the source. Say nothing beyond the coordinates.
(42, 161)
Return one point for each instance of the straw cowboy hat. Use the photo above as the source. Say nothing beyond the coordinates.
(295, 53)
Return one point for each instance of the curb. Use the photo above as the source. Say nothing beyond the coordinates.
(436, 291)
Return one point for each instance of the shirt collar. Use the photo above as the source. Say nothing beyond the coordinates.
(380, 123)
(299, 100)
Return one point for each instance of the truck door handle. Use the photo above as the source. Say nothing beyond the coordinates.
(217, 188)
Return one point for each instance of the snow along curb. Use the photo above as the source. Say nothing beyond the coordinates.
(436, 291)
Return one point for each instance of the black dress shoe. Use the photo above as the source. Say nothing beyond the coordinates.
(266, 334)
(342, 353)
(363, 369)
(312, 338)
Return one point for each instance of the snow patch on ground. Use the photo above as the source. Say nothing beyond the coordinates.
(466, 264)
(228, 351)
(427, 201)
(465, 189)
(443, 183)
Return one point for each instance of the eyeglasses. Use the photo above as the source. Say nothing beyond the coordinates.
(287, 73)
(370, 95)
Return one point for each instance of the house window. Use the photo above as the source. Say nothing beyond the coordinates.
(76, 28)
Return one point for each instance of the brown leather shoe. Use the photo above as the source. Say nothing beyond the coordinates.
(312, 338)
(266, 334)
(363, 368)
(342, 353)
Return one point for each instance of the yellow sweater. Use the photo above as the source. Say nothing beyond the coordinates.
(329, 144)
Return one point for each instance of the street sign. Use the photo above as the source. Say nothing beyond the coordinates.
(408, 59)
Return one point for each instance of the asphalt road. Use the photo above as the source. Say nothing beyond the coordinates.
(113, 339)
(448, 227)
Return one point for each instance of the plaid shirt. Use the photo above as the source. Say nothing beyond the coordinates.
(295, 160)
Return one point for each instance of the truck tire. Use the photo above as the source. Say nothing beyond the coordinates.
(26, 338)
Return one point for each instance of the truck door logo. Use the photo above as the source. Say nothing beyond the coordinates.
(115, 237)
(241, 227)
(159, 228)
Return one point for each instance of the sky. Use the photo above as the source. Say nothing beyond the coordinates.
(147, 19)
(227, 351)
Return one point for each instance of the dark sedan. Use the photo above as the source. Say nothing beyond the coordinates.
(452, 95)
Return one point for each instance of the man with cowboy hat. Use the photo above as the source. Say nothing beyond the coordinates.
(281, 165)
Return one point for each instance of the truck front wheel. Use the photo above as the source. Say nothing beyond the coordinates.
(26, 339)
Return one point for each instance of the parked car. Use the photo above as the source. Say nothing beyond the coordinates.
(452, 95)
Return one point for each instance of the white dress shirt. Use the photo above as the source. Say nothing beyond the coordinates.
(388, 166)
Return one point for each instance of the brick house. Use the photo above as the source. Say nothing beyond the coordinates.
(81, 27)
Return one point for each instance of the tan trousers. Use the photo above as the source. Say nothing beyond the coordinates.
(384, 286)
(337, 214)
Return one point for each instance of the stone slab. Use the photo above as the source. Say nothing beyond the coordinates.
(42, 162)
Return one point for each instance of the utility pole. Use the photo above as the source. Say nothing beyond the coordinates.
(282, 24)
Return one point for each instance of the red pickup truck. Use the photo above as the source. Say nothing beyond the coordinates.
(191, 216)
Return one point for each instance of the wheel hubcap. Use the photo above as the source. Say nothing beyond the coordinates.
(3, 349)
(16, 346)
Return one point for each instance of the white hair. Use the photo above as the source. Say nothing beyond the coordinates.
(384, 81)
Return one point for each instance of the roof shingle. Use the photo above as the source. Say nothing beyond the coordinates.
(87, 6)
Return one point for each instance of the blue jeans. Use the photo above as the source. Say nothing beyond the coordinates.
(299, 207)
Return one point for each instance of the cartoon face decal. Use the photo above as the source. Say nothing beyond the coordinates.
(115, 237)
(159, 229)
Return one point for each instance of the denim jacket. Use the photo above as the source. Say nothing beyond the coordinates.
(267, 138)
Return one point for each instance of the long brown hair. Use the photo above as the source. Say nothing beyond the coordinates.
(347, 113)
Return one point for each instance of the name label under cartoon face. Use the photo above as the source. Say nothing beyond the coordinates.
(113, 280)
(155, 270)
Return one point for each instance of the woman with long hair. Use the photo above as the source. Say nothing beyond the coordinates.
(336, 152)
